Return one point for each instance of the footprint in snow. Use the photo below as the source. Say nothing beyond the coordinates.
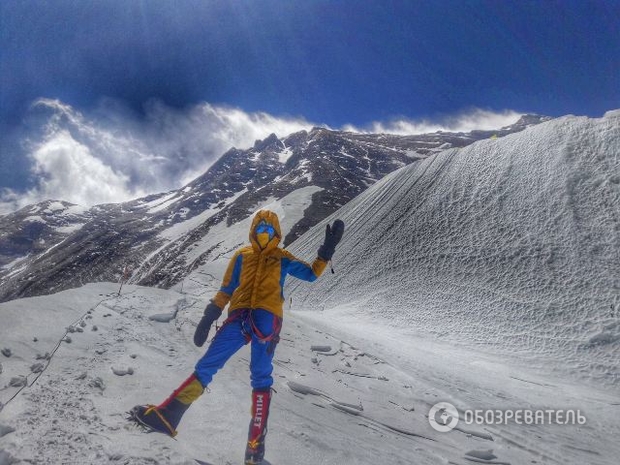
(4, 430)
(18, 381)
(37, 368)
(319, 348)
(484, 456)
(97, 383)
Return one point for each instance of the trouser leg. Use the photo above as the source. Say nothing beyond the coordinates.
(228, 340)
(265, 337)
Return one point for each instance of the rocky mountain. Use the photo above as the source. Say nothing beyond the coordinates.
(56, 245)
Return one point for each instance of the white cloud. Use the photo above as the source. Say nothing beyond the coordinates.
(115, 156)
(197, 136)
(462, 122)
(66, 170)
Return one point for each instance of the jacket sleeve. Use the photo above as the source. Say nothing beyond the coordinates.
(230, 281)
(303, 270)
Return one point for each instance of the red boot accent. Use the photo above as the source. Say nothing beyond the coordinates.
(255, 449)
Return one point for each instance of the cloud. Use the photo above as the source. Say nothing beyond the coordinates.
(113, 155)
(462, 122)
(67, 170)
(197, 136)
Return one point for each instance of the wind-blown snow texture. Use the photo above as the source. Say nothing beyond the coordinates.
(511, 244)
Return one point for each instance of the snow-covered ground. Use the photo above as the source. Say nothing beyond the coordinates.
(362, 396)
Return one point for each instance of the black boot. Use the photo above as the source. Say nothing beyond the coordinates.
(165, 418)
(255, 450)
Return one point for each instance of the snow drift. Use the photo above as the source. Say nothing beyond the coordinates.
(510, 245)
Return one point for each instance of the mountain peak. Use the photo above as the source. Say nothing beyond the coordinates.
(320, 129)
(529, 119)
(271, 140)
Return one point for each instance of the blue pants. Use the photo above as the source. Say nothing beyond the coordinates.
(261, 328)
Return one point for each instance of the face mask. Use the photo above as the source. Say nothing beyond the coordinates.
(264, 233)
(263, 239)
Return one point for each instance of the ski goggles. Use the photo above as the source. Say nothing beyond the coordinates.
(264, 227)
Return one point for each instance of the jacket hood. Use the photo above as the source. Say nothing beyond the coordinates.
(271, 218)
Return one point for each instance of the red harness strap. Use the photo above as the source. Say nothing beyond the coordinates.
(246, 315)
(277, 325)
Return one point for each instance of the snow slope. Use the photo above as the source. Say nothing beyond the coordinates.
(509, 246)
(485, 277)
(342, 396)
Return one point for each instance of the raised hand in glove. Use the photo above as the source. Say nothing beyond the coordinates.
(333, 234)
(212, 313)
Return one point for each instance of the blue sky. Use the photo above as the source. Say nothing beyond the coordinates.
(132, 67)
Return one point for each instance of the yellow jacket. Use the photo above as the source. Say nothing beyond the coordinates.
(255, 278)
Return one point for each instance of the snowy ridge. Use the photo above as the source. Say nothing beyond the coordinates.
(510, 245)
(60, 246)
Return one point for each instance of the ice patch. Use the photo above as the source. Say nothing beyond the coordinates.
(605, 337)
(164, 203)
(180, 229)
(14, 263)
(284, 155)
(35, 219)
(6, 458)
(54, 207)
(70, 229)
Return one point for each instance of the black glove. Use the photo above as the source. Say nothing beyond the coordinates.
(333, 235)
(212, 313)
